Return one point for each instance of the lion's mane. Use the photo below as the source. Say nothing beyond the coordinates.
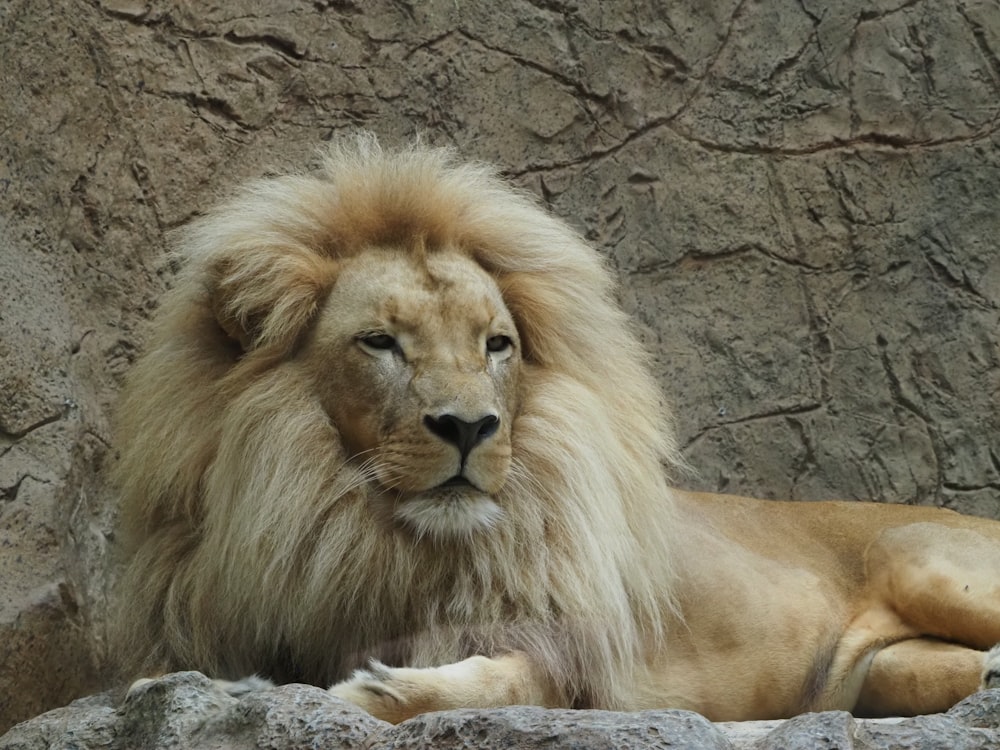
(248, 550)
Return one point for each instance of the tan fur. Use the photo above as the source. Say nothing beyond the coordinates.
(286, 510)
(250, 532)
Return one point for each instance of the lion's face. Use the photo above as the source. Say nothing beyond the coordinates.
(417, 362)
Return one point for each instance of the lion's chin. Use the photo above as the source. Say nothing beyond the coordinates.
(449, 512)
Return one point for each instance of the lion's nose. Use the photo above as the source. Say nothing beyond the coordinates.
(460, 432)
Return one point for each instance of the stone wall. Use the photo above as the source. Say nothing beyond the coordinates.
(800, 199)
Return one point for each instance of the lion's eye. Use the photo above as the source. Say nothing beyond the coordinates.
(499, 343)
(380, 341)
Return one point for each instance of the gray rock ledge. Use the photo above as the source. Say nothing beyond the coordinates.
(184, 710)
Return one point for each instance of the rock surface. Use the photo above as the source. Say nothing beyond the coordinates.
(799, 198)
(184, 710)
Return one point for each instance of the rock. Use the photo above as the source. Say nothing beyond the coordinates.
(526, 727)
(185, 710)
(940, 732)
(800, 202)
(830, 730)
(981, 710)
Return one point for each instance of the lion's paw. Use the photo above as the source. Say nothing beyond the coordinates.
(991, 669)
(392, 694)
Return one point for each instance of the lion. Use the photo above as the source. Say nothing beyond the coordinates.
(394, 436)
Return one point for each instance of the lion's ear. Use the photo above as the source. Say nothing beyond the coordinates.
(266, 297)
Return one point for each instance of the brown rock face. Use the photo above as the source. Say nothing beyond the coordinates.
(800, 199)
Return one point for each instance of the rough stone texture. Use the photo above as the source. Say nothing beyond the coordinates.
(184, 710)
(522, 727)
(799, 197)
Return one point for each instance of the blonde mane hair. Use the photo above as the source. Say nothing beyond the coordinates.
(248, 535)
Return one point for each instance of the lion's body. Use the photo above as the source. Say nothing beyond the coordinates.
(394, 412)
(796, 599)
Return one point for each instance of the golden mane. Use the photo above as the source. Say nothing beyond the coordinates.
(247, 554)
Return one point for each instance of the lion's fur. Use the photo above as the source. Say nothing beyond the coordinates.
(247, 553)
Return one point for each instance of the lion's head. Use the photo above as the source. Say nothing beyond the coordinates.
(416, 359)
(392, 410)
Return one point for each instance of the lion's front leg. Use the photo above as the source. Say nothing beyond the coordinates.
(395, 694)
